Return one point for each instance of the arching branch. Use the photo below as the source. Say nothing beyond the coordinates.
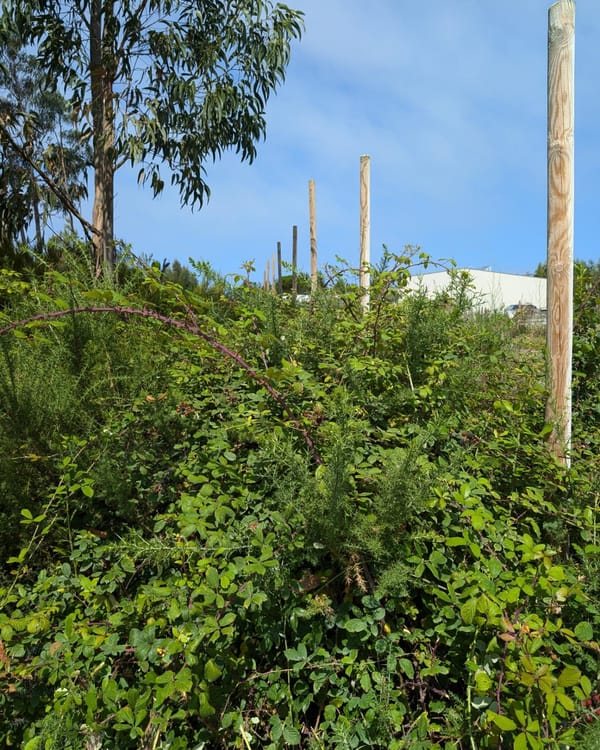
(190, 328)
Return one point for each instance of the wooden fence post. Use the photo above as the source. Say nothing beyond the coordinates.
(561, 116)
(279, 279)
(313, 237)
(294, 261)
(365, 230)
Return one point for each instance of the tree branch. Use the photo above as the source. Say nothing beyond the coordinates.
(193, 329)
(66, 201)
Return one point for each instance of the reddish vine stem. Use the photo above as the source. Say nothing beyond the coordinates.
(194, 330)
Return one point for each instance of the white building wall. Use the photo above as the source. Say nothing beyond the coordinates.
(491, 290)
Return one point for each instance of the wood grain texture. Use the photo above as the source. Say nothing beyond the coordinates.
(279, 281)
(313, 235)
(561, 119)
(365, 229)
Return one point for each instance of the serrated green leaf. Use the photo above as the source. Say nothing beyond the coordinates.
(213, 578)
(125, 715)
(566, 701)
(407, 667)
(292, 736)
(483, 682)
(510, 595)
(584, 631)
(527, 679)
(206, 710)
(556, 573)
(504, 723)
(211, 671)
(468, 611)
(355, 625)
(569, 676)
(183, 680)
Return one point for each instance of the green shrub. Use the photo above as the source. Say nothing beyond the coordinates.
(246, 523)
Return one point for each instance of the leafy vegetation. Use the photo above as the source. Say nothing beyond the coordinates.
(230, 520)
(39, 149)
(161, 84)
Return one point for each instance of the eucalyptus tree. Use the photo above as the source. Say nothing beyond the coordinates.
(39, 150)
(166, 85)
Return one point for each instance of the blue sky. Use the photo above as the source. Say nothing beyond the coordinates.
(449, 101)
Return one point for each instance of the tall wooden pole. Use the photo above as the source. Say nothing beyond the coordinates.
(313, 236)
(279, 289)
(561, 117)
(294, 261)
(365, 230)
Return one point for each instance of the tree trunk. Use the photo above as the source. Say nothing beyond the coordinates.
(103, 142)
(39, 238)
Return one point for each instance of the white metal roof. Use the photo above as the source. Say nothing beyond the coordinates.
(490, 290)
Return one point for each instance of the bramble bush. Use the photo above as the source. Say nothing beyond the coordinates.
(252, 523)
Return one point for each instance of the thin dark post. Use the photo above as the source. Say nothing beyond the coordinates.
(294, 261)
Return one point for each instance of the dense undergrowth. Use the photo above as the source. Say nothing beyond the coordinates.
(238, 522)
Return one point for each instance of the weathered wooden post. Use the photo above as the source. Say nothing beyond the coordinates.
(279, 279)
(365, 230)
(313, 236)
(561, 117)
(294, 261)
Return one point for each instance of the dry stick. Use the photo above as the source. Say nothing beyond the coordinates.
(193, 329)
(313, 237)
(561, 85)
(365, 230)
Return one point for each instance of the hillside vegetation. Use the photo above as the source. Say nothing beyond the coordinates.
(232, 521)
